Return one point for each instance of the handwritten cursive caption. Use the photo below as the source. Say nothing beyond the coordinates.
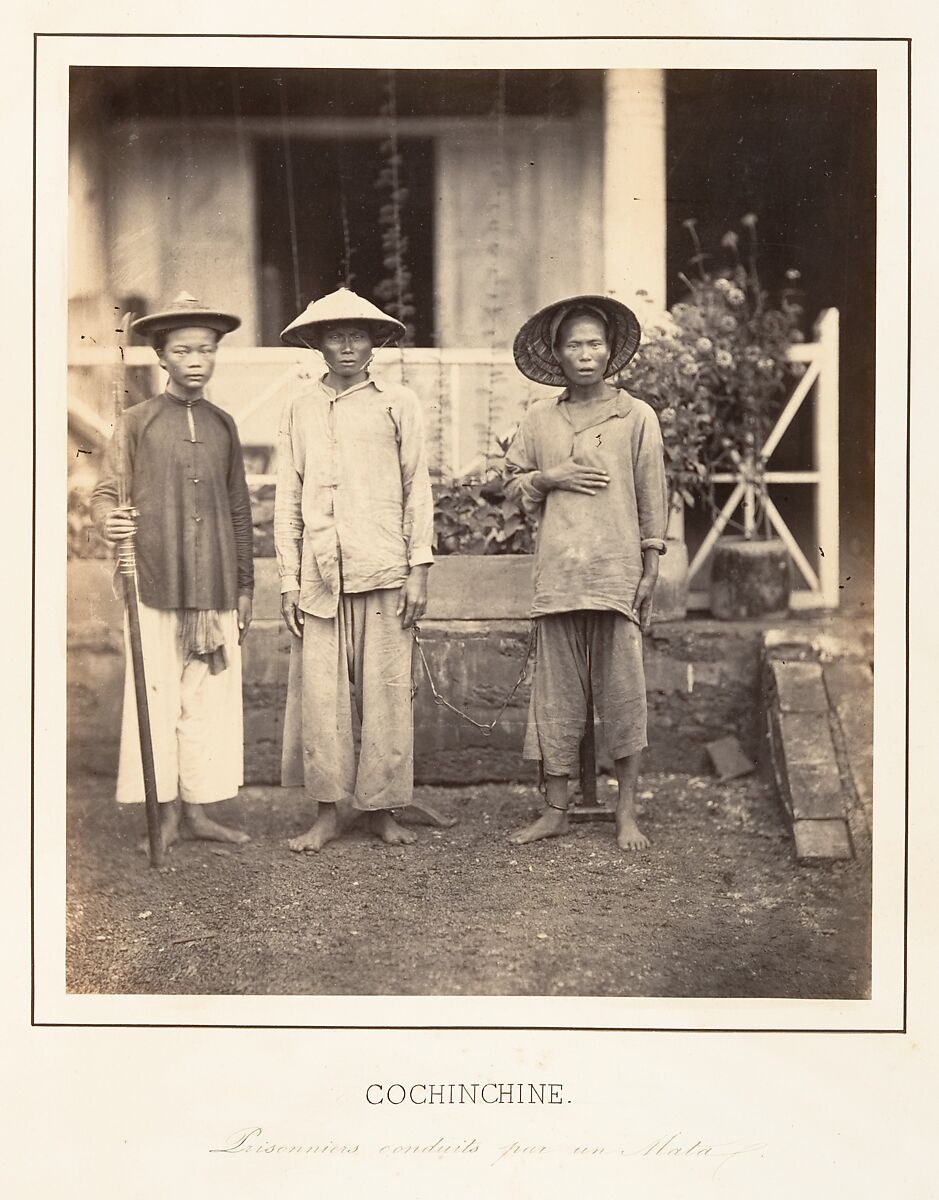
(670, 1148)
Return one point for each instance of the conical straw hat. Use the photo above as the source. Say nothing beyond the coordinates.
(341, 305)
(534, 343)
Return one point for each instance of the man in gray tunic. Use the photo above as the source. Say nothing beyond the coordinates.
(589, 463)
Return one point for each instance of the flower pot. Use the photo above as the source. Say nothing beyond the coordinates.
(671, 592)
(749, 578)
(480, 587)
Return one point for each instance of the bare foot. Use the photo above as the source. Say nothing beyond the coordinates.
(391, 833)
(169, 829)
(324, 829)
(198, 825)
(550, 824)
(629, 836)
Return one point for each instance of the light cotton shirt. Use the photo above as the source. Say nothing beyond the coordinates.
(353, 510)
(589, 553)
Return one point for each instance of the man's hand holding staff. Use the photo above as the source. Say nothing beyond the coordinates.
(120, 527)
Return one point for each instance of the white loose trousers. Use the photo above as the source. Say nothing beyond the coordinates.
(196, 719)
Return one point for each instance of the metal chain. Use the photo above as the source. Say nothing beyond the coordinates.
(442, 701)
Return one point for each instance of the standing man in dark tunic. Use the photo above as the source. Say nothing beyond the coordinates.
(191, 519)
(589, 463)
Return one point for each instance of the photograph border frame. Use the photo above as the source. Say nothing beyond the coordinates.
(444, 1026)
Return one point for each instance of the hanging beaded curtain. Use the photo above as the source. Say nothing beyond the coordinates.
(346, 274)
(441, 465)
(494, 307)
(291, 197)
(393, 292)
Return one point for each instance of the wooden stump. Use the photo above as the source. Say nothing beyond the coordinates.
(749, 578)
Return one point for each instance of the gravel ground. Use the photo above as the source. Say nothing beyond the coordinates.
(717, 906)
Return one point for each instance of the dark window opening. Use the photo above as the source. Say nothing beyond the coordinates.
(798, 149)
(337, 208)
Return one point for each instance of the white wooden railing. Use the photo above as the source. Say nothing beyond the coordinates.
(472, 397)
(469, 396)
(820, 359)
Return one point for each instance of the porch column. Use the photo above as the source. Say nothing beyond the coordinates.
(90, 308)
(634, 186)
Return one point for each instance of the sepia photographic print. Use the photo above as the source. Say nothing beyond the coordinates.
(441, 208)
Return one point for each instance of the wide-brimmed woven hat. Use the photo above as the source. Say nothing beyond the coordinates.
(534, 343)
(182, 311)
(342, 305)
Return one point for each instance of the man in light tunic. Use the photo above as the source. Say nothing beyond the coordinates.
(353, 531)
(589, 463)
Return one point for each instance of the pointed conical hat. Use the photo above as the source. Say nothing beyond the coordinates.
(341, 305)
(182, 311)
(534, 343)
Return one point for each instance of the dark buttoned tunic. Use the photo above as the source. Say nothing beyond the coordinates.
(186, 477)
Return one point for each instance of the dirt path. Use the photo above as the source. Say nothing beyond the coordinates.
(718, 907)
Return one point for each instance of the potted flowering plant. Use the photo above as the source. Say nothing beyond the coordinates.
(716, 369)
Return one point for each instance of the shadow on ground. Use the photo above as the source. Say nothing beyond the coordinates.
(718, 906)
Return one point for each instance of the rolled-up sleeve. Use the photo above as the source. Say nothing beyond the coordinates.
(418, 517)
(288, 514)
(650, 483)
(521, 468)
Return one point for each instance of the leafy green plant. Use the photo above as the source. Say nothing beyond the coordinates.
(716, 366)
(475, 517)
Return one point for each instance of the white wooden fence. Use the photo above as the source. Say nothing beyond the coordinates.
(472, 398)
(817, 564)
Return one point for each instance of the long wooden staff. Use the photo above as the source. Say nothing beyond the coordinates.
(127, 565)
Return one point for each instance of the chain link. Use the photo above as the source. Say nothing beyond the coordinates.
(487, 727)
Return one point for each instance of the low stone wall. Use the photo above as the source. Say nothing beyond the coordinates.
(819, 713)
(702, 676)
